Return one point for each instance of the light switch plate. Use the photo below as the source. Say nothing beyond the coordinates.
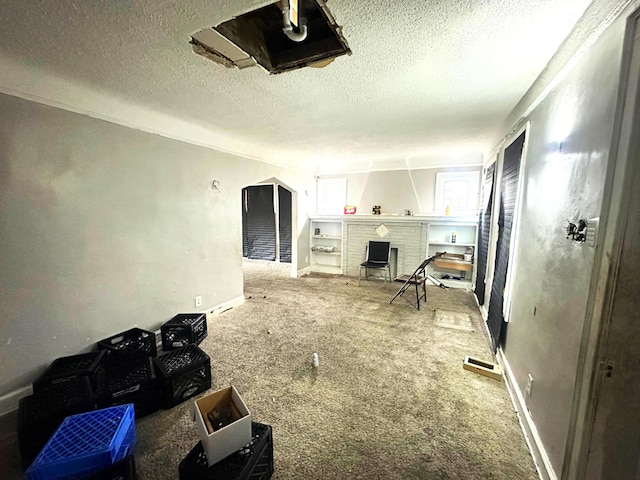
(592, 232)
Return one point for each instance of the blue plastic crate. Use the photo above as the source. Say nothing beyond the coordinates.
(86, 442)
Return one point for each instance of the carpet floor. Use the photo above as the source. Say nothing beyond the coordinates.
(389, 399)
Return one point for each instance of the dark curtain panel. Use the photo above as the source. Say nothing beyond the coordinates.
(284, 224)
(508, 195)
(484, 226)
(260, 223)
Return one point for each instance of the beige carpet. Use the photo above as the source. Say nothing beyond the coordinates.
(390, 399)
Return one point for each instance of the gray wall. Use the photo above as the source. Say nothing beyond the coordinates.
(564, 172)
(103, 227)
(396, 190)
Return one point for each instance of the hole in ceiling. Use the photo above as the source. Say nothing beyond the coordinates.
(283, 36)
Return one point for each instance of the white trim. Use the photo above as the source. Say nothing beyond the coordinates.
(221, 307)
(304, 271)
(531, 435)
(515, 225)
(9, 401)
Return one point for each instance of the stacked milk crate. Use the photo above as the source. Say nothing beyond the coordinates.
(231, 446)
(124, 371)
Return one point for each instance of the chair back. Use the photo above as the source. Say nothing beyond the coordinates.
(378, 252)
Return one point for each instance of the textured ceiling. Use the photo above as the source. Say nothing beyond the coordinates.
(429, 81)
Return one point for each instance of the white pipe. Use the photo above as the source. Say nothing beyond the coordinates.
(288, 28)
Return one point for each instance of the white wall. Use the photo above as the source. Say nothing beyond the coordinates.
(566, 163)
(396, 190)
(103, 227)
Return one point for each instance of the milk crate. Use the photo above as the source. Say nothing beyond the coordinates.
(253, 462)
(132, 381)
(86, 443)
(124, 469)
(40, 414)
(182, 330)
(183, 373)
(86, 366)
(132, 343)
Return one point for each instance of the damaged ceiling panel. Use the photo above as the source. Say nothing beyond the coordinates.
(267, 37)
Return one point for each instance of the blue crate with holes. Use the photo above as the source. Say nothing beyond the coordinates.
(86, 443)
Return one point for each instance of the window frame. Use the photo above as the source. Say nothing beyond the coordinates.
(473, 179)
(331, 195)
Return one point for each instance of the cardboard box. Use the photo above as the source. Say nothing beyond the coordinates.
(221, 443)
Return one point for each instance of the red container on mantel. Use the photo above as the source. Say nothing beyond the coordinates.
(349, 210)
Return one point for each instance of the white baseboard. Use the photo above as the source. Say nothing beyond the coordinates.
(221, 307)
(304, 271)
(9, 401)
(531, 435)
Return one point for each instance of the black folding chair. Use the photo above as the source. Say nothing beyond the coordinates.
(378, 254)
(418, 279)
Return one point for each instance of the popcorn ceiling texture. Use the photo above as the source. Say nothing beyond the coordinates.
(426, 79)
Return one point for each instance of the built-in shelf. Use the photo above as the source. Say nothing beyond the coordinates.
(439, 239)
(326, 233)
(453, 244)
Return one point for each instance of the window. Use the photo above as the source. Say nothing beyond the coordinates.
(331, 195)
(458, 191)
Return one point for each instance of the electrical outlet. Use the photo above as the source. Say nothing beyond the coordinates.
(306, 259)
(529, 386)
(198, 301)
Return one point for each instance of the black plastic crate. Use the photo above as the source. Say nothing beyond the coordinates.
(132, 343)
(124, 469)
(254, 462)
(183, 373)
(131, 381)
(40, 414)
(85, 366)
(182, 330)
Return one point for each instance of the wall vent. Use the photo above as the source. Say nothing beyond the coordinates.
(258, 38)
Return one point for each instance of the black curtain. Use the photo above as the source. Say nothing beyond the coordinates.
(508, 195)
(284, 223)
(484, 226)
(258, 222)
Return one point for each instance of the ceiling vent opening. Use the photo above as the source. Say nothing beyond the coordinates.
(280, 37)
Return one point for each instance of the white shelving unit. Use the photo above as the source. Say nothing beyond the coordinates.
(440, 240)
(326, 246)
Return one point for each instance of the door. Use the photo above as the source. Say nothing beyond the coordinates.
(508, 197)
(615, 444)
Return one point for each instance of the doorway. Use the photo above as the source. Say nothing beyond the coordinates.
(267, 223)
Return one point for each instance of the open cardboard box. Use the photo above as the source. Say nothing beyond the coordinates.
(227, 440)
